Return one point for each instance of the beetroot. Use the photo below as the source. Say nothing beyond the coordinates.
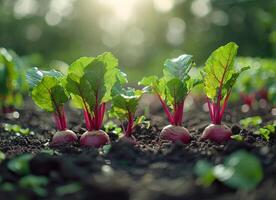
(217, 133)
(96, 139)
(64, 137)
(128, 139)
(175, 133)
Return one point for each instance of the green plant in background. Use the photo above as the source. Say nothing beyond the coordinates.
(110, 126)
(254, 121)
(267, 131)
(15, 128)
(263, 74)
(240, 170)
(2, 157)
(12, 80)
(8, 77)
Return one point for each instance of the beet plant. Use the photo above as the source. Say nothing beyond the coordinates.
(124, 105)
(172, 90)
(48, 93)
(10, 80)
(89, 81)
(219, 76)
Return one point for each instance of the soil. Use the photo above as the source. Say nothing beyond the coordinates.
(151, 170)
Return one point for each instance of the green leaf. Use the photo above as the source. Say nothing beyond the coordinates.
(251, 121)
(153, 84)
(76, 69)
(237, 137)
(90, 80)
(68, 189)
(204, 170)
(80, 92)
(49, 95)
(176, 91)
(230, 83)
(125, 102)
(2, 157)
(8, 74)
(20, 164)
(35, 183)
(219, 69)
(104, 71)
(178, 67)
(34, 76)
(241, 170)
(266, 131)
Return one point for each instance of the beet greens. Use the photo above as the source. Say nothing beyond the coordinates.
(173, 87)
(89, 81)
(219, 76)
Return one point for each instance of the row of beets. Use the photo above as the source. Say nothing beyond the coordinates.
(91, 82)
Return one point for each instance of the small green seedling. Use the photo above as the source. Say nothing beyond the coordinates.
(254, 121)
(112, 127)
(267, 131)
(240, 170)
(15, 128)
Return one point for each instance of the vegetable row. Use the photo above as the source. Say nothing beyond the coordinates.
(92, 82)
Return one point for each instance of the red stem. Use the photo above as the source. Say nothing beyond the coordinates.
(88, 121)
(102, 114)
(60, 119)
(63, 118)
(224, 106)
(178, 114)
(181, 113)
(166, 109)
(210, 109)
(130, 124)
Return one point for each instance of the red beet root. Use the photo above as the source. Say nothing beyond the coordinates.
(175, 133)
(217, 133)
(64, 137)
(128, 139)
(95, 139)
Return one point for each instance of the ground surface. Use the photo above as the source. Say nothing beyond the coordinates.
(152, 170)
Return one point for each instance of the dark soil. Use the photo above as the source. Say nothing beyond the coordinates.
(151, 170)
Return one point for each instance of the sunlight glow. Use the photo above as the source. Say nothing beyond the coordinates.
(201, 8)
(163, 5)
(122, 9)
(23, 8)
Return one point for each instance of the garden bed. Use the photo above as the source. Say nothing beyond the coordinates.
(152, 169)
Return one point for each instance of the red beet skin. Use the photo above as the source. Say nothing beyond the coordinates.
(175, 133)
(128, 139)
(217, 133)
(94, 139)
(64, 137)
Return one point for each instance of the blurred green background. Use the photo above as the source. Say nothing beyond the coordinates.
(141, 33)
